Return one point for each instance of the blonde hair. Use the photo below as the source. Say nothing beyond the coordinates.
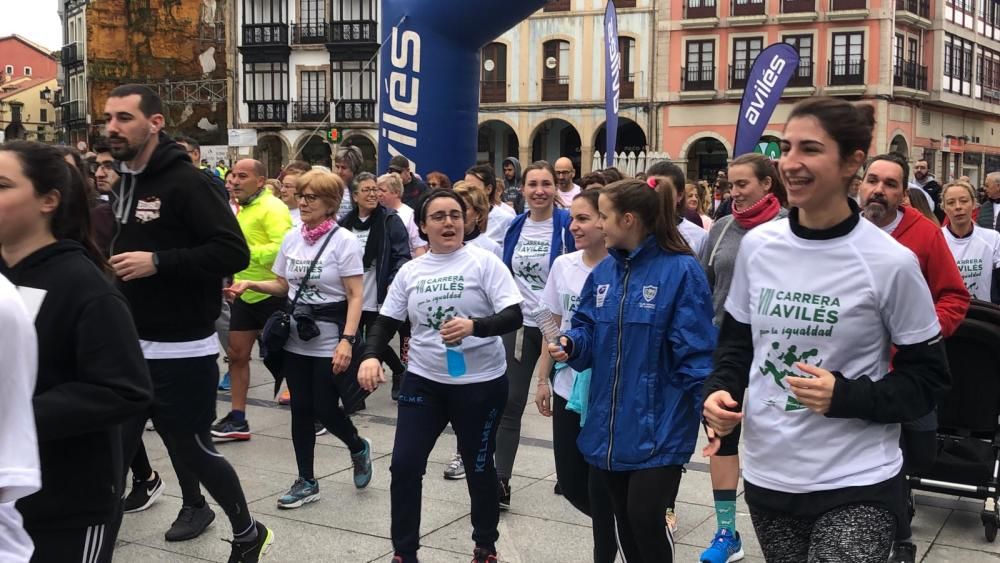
(274, 186)
(327, 185)
(968, 187)
(475, 197)
(391, 180)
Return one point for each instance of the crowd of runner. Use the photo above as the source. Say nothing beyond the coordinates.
(797, 314)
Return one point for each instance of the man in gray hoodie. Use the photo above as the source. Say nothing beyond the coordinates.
(512, 184)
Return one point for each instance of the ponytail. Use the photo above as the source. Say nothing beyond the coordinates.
(654, 207)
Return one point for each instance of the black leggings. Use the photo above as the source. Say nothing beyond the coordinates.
(574, 475)
(425, 408)
(388, 355)
(91, 544)
(520, 374)
(640, 498)
(314, 397)
(857, 533)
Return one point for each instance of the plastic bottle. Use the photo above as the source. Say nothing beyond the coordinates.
(455, 356)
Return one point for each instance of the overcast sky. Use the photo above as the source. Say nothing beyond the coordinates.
(34, 19)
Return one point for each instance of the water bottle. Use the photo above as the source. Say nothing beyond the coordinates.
(455, 356)
(549, 328)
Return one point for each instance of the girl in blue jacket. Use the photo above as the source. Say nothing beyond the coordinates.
(644, 328)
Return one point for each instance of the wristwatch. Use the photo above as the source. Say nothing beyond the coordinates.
(350, 338)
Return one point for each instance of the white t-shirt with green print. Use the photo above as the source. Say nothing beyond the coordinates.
(976, 255)
(839, 304)
(530, 264)
(468, 283)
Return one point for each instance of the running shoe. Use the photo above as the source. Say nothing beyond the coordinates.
(190, 523)
(671, 520)
(363, 469)
(229, 429)
(726, 547)
(483, 555)
(254, 550)
(302, 492)
(143, 494)
(903, 552)
(320, 429)
(226, 384)
(285, 398)
(455, 469)
(503, 493)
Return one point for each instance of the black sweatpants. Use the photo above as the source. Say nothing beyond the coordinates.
(314, 397)
(574, 475)
(640, 498)
(184, 393)
(388, 356)
(92, 544)
(425, 408)
(857, 533)
(519, 372)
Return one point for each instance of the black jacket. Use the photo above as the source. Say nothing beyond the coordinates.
(413, 193)
(395, 249)
(91, 378)
(171, 208)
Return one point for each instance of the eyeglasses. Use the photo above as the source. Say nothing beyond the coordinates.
(106, 165)
(433, 185)
(368, 191)
(440, 217)
(310, 198)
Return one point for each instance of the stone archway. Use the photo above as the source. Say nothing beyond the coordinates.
(316, 151)
(705, 157)
(631, 138)
(554, 138)
(272, 151)
(367, 150)
(496, 141)
(900, 146)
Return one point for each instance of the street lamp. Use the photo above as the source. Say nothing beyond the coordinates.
(46, 94)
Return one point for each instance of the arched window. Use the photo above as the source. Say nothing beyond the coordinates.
(555, 71)
(493, 74)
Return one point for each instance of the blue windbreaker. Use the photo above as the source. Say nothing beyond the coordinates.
(644, 327)
(562, 240)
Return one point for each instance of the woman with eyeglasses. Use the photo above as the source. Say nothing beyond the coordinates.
(386, 247)
(459, 299)
(332, 297)
(533, 241)
(289, 178)
(438, 180)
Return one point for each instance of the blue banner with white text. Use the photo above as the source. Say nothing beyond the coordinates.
(612, 80)
(766, 80)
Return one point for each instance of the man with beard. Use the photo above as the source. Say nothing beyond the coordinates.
(881, 194)
(565, 172)
(512, 184)
(101, 217)
(174, 243)
(925, 181)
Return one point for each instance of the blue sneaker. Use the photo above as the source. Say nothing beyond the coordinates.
(363, 469)
(225, 384)
(725, 548)
(302, 492)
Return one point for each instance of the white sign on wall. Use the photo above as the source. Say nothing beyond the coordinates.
(243, 137)
(215, 153)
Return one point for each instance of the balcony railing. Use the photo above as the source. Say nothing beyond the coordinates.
(555, 89)
(72, 53)
(557, 6)
(310, 111)
(696, 9)
(738, 75)
(921, 8)
(803, 77)
(626, 89)
(273, 111)
(697, 77)
(908, 74)
(847, 71)
(748, 8)
(74, 110)
(310, 33)
(797, 6)
(360, 31)
(493, 91)
(263, 34)
(355, 110)
(844, 5)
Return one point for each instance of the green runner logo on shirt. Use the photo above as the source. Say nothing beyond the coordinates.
(435, 295)
(778, 365)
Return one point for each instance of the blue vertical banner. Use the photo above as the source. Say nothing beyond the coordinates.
(612, 80)
(768, 76)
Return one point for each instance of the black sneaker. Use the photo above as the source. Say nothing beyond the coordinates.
(319, 428)
(396, 380)
(903, 552)
(503, 493)
(252, 551)
(229, 429)
(143, 494)
(190, 523)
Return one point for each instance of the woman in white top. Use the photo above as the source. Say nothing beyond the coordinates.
(390, 194)
(477, 215)
(561, 297)
(459, 299)
(329, 308)
(501, 214)
(976, 250)
(815, 307)
(289, 178)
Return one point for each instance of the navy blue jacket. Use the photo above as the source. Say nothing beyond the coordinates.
(562, 239)
(644, 328)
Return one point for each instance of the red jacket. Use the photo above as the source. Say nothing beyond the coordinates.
(925, 239)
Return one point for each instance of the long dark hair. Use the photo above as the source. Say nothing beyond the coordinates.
(44, 166)
(763, 168)
(655, 208)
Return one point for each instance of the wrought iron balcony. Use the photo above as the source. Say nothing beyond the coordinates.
(797, 6)
(555, 89)
(72, 54)
(359, 31)
(272, 111)
(493, 91)
(310, 111)
(74, 110)
(355, 110)
(310, 33)
(803, 77)
(265, 34)
(738, 75)
(697, 77)
(747, 8)
(847, 71)
(908, 74)
(921, 8)
(697, 9)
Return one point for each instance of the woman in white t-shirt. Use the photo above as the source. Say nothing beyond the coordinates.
(477, 215)
(561, 297)
(332, 299)
(501, 214)
(815, 307)
(976, 250)
(289, 178)
(533, 241)
(459, 299)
